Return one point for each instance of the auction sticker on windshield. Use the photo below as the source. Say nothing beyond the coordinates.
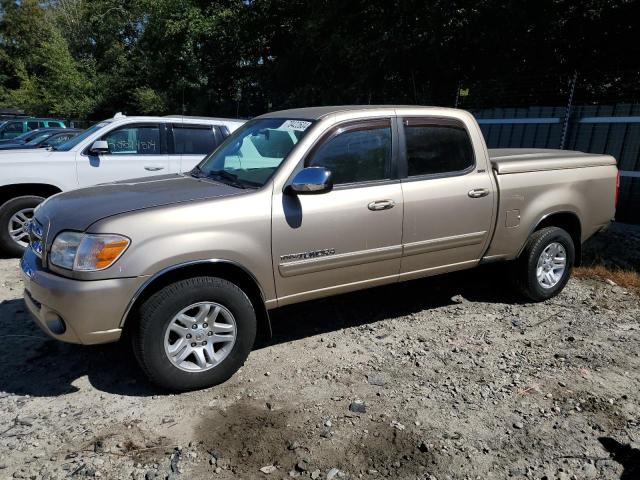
(300, 125)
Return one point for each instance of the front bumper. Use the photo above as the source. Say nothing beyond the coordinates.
(76, 311)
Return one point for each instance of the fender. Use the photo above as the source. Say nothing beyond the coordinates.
(178, 266)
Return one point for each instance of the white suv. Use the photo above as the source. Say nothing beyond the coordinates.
(116, 149)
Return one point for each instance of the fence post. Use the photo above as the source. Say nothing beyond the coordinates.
(567, 114)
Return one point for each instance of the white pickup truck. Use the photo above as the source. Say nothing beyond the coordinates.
(115, 149)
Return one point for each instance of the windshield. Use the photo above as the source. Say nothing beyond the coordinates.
(69, 144)
(25, 137)
(39, 138)
(253, 152)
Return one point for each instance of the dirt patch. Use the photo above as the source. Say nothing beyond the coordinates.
(249, 435)
(624, 278)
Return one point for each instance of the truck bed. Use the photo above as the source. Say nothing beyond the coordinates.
(520, 160)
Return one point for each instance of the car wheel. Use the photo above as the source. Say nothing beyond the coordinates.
(194, 333)
(545, 265)
(15, 216)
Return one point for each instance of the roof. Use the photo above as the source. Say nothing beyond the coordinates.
(195, 117)
(316, 113)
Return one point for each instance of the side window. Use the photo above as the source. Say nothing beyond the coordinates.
(194, 140)
(33, 125)
(436, 149)
(14, 127)
(58, 139)
(360, 154)
(134, 140)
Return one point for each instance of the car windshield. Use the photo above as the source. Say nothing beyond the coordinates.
(25, 137)
(39, 138)
(250, 156)
(69, 144)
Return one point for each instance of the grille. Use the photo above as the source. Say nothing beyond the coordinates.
(36, 232)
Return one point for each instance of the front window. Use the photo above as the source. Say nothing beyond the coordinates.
(68, 145)
(60, 138)
(362, 153)
(251, 155)
(134, 140)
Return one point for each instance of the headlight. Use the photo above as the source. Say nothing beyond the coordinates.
(87, 252)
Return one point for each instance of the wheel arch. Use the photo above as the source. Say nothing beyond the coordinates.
(568, 221)
(227, 269)
(7, 192)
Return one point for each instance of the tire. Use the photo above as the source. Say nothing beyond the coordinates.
(526, 269)
(8, 245)
(151, 338)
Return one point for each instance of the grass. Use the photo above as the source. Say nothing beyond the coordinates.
(628, 279)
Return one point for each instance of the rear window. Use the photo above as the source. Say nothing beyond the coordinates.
(437, 149)
(194, 140)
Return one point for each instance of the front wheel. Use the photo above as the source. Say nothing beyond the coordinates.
(15, 215)
(545, 265)
(194, 333)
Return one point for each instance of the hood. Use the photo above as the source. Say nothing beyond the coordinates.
(79, 209)
(16, 146)
(24, 152)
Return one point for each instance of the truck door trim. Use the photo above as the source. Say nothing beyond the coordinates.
(444, 243)
(328, 262)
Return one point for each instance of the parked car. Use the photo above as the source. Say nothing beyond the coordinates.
(115, 149)
(297, 205)
(41, 138)
(13, 128)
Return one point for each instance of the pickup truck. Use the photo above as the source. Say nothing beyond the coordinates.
(115, 149)
(297, 205)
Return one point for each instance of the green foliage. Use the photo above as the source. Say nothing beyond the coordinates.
(92, 58)
(149, 102)
(46, 79)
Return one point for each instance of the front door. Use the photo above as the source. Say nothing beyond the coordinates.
(448, 199)
(350, 237)
(135, 150)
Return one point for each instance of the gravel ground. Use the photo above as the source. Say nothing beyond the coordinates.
(447, 378)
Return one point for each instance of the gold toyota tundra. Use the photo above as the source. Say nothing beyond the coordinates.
(295, 205)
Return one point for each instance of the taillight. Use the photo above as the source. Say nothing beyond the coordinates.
(617, 188)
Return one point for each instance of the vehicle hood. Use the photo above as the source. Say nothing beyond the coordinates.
(22, 152)
(15, 146)
(79, 209)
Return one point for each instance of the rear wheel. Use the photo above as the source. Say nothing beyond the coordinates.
(545, 265)
(194, 333)
(15, 216)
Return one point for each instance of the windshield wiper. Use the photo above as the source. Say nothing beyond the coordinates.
(230, 178)
(196, 172)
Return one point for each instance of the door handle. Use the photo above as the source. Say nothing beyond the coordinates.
(478, 192)
(153, 168)
(381, 205)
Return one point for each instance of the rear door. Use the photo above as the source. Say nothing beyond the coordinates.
(135, 150)
(448, 199)
(192, 142)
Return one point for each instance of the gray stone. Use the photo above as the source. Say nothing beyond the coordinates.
(358, 406)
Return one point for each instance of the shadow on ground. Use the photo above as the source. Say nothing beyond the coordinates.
(625, 455)
(36, 365)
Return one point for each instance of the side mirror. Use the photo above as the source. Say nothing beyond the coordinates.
(99, 146)
(311, 180)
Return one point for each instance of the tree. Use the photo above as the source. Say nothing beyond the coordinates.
(45, 78)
